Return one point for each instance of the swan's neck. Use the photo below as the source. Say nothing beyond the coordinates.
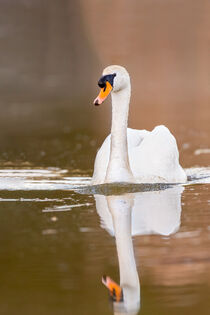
(118, 169)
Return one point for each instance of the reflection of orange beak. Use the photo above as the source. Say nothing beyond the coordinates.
(103, 94)
(115, 290)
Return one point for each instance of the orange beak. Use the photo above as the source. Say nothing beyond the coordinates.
(103, 94)
(115, 290)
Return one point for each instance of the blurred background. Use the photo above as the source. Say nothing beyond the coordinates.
(52, 54)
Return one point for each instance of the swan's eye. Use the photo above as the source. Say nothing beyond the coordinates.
(101, 83)
(109, 77)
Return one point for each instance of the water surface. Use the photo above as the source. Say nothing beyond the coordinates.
(57, 242)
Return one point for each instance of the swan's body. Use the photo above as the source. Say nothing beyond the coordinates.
(153, 158)
(129, 155)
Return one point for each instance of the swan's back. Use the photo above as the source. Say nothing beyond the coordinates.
(156, 159)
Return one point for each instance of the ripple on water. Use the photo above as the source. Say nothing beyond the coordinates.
(58, 179)
(40, 179)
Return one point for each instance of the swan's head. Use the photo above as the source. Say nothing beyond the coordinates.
(114, 79)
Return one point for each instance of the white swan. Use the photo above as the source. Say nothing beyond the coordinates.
(129, 155)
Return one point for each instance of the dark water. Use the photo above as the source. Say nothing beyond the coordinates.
(58, 242)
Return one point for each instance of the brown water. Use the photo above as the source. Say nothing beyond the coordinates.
(57, 242)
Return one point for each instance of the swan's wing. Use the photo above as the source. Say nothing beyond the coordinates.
(135, 137)
(101, 162)
(156, 158)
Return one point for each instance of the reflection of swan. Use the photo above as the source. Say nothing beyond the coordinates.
(136, 214)
(120, 208)
(156, 212)
(129, 155)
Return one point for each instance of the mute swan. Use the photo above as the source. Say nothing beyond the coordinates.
(129, 155)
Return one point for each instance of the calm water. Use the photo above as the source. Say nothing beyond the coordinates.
(57, 242)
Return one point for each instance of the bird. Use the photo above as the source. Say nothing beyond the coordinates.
(130, 155)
